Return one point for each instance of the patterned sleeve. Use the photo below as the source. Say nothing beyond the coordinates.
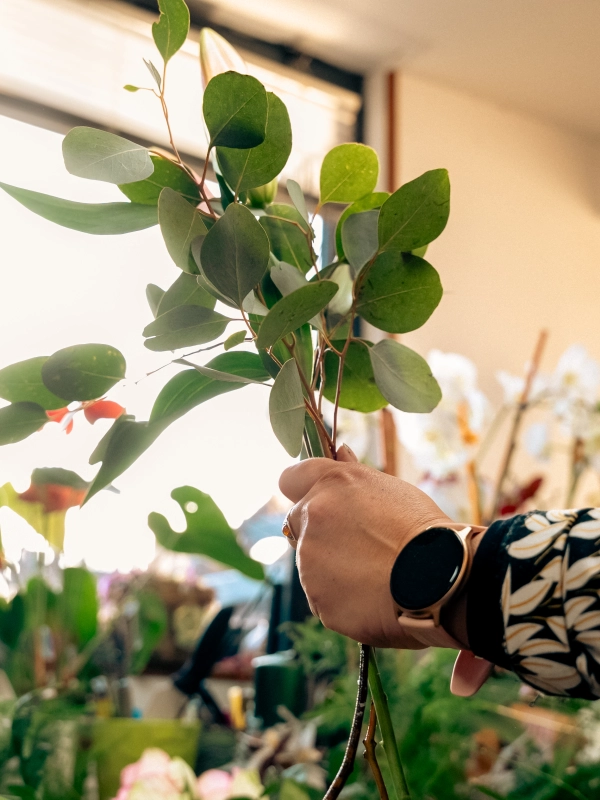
(534, 600)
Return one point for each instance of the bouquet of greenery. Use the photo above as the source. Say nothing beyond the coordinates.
(282, 322)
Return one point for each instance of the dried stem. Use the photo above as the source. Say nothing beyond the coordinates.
(389, 439)
(521, 408)
(370, 753)
(338, 388)
(347, 764)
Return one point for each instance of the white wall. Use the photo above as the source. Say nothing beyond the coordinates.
(522, 247)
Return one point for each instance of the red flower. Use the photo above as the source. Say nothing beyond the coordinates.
(102, 409)
(57, 415)
(53, 496)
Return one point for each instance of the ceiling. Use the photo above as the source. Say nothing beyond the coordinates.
(542, 56)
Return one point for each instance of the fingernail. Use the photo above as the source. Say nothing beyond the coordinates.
(350, 450)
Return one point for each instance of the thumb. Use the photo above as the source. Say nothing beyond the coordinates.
(344, 453)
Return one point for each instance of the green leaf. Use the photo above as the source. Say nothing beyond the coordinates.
(417, 213)
(154, 294)
(12, 620)
(288, 242)
(359, 391)
(400, 293)
(171, 30)
(226, 194)
(232, 341)
(131, 88)
(286, 408)
(83, 371)
(371, 201)
(78, 604)
(166, 173)
(20, 420)
(348, 172)
(153, 623)
(57, 476)
(102, 156)
(189, 388)
(257, 166)
(180, 224)
(97, 218)
(294, 310)
(184, 326)
(287, 279)
(185, 291)
(235, 253)
(235, 110)
(122, 445)
(219, 375)
(207, 532)
(404, 378)
(297, 197)
(359, 239)
(22, 382)
(154, 72)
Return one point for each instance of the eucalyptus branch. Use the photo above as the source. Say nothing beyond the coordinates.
(347, 764)
(338, 388)
(371, 755)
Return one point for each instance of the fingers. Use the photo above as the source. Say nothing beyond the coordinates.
(344, 453)
(298, 480)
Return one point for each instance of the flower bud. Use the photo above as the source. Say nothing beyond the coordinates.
(262, 196)
(217, 55)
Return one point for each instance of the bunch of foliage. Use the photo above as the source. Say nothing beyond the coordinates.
(256, 256)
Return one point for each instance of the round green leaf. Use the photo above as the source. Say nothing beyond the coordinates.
(83, 371)
(416, 214)
(400, 292)
(359, 238)
(232, 341)
(371, 201)
(166, 173)
(154, 294)
(103, 156)
(359, 391)
(22, 382)
(294, 310)
(404, 378)
(286, 408)
(348, 172)
(235, 110)
(184, 326)
(20, 420)
(180, 224)
(98, 218)
(297, 197)
(288, 242)
(235, 253)
(171, 30)
(186, 291)
(257, 166)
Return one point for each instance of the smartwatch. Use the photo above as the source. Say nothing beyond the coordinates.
(427, 573)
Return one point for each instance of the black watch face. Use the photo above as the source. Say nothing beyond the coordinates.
(426, 568)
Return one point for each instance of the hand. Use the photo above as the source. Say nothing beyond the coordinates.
(350, 522)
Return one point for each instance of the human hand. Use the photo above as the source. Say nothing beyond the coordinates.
(350, 522)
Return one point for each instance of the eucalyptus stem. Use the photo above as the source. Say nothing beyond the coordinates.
(386, 727)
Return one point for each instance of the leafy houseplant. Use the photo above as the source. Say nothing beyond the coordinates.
(256, 257)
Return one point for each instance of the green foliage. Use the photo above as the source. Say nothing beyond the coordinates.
(359, 391)
(20, 420)
(184, 326)
(153, 623)
(286, 408)
(166, 174)
(294, 310)
(103, 156)
(348, 172)
(207, 532)
(235, 110)
(171, 30)
(180, 224)
(185, 291)
(297, 197)
(235, 253)
(98, 218)
(399, 293)
(78, 605)
(359, 238)
(22, 382)
(154, 294)
(287, 231)
(257, 166)
(416, 214)
(403, 377)
(232, 341)
(83, 371)
(371, 201)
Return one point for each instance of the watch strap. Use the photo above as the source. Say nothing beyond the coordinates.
(426, 632)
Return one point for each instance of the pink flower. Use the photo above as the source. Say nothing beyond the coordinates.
(157, 777)
(214, 784)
